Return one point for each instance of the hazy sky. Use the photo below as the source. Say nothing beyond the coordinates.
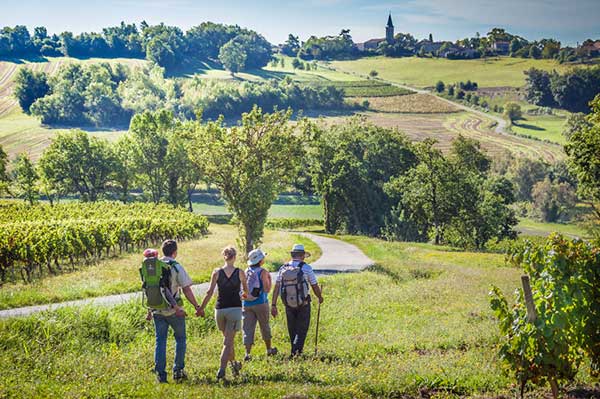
(569, 21)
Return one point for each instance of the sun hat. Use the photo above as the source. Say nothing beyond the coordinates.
(255, 256)
(299, 249)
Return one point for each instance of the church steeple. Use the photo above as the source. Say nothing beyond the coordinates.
(389, 30)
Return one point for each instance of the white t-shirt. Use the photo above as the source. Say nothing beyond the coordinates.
(307, 269)
(179, 279)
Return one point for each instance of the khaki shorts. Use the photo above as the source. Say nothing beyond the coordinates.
(229, 319)
(252, 315)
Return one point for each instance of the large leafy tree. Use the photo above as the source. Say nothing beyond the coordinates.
(291, 46)
(25, 178)
(233, 57)
(29, 86)
(349, 165)
(250, 164)
(79, 164)
(583, 150)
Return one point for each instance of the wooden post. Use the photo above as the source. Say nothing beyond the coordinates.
(531, 312)
(531, 317)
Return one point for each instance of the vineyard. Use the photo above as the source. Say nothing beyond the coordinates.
(47, 239)
(364, 88)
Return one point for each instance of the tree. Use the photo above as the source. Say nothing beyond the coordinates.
(250, 164)
(583, 150)
(440, 86)
(513, 112)
(575, 122)
(525, 173)
(25, 177)
(296, 63)
(537, 87)
(29, 86)
(373, 73)
(349, 165)
(150, 133)
(534, 52)
(233, 57)
(430, 38)
(291, 46)
(79, 164)
(428, 192)
(125, 168)
(553, 201)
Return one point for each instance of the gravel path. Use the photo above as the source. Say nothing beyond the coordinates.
(337, 256)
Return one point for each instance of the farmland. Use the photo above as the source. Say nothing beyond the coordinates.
(425, 72)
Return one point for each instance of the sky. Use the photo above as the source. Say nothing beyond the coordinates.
(568, 21)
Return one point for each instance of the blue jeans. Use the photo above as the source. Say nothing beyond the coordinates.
(161, 324)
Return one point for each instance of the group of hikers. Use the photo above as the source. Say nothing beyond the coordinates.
(242, 302)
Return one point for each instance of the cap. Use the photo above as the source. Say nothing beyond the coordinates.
(255, 256)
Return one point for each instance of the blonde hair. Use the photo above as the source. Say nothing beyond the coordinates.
(229, 252)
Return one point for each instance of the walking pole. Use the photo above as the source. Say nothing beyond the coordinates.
(318, 319)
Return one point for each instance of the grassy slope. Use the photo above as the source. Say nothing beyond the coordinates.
(425, 72)
(532, 227)
(419, 323)
(119, 275)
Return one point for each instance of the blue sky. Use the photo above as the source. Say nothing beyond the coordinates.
(569, 21)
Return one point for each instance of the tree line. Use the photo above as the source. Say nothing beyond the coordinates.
(371, 180)
(168, 46)
(572, 90)
(109, 95)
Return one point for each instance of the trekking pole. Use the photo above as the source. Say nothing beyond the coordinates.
(318, 319)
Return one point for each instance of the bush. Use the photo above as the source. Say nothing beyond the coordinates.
(439, 87)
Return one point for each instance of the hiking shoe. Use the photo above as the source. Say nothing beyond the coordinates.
(235, 368)
(220, 374)
(248, 357)
(162, 379)
(272, 352)
(179, 376)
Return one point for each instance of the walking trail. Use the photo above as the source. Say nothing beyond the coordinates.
(337, 256)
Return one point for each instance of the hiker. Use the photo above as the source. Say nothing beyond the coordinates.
(166, 316)
(256, 306)
(292, 284)
(228, 309)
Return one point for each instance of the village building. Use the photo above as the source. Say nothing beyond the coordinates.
(373, 44)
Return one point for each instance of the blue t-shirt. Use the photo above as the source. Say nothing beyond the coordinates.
(262, 297)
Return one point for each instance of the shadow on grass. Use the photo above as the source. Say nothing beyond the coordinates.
(529, 127)
(24, 59)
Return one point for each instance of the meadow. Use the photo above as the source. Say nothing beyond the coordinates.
(425, 72)
(399, 329)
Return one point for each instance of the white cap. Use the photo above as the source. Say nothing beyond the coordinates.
(255, 256)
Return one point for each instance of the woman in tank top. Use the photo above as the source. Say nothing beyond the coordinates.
(228, 309)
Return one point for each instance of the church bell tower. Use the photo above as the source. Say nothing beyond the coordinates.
(389, 30)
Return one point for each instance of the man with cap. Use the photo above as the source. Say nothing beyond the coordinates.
(292, 284)
(256, 306)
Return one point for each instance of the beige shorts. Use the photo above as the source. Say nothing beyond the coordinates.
(229, 319)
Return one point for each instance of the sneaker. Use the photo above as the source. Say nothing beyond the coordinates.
(272, 352)
(179, 376)
(248, 357)
(235, 368)
(220, 374)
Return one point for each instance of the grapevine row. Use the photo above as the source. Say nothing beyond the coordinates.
(53, 242)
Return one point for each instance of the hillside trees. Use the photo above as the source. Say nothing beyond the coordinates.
(291, 46)
(4, 175)
(329, 47)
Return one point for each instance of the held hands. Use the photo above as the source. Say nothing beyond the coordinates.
(200, 312)
(149, 315)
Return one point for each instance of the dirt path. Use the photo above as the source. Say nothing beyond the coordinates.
(337, 256)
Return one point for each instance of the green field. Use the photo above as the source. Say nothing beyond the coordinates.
(276, 211)
(546, 127)
(532, 227)
(365, 88)
(401, 329)
(425, 72)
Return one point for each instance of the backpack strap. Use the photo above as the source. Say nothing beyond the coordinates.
(173, 263)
